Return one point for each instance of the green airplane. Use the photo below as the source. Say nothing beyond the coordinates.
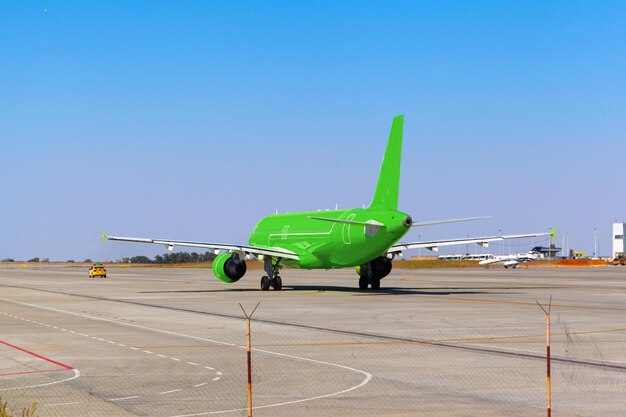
(364, 238)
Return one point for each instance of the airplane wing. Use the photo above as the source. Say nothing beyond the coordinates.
(433, 222)
(433, 245)
(253, 250)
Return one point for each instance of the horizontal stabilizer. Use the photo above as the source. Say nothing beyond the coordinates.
(367, 223)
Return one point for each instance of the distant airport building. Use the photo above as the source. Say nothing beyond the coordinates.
(618, 239)
(546, 252)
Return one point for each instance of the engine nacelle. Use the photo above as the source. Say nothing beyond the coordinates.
(229, 268)
(381, 267)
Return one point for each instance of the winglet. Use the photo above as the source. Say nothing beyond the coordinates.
(104, 235)
(552, 232)
(386, 194)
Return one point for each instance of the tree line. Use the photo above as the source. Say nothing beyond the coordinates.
(167, 258)
(172, 258)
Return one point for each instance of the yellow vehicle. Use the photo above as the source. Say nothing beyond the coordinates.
(97, 270)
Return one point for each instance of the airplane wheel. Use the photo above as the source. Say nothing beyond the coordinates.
(363, 283)
(265, 283)
(277, 283)
(375, 283)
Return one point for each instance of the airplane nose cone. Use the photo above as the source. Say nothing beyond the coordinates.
(407, 221)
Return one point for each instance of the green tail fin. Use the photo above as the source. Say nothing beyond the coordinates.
(386, 195)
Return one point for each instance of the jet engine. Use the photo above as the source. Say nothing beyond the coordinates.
(229, 267)
(381, 267)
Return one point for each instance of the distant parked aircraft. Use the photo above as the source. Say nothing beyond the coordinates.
(511, 260)
(364, 238)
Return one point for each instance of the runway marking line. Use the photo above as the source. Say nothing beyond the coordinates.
(98, 338)
(365, 381)
(28, 352)
(124, 398)
(171, 391)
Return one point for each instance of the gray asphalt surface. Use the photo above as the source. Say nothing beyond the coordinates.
(170, 342)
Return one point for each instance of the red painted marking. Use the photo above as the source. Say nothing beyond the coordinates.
(62, 365)
(35, 372)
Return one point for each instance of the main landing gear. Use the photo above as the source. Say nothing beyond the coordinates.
(372, 272)
(272, 279)
(368, 279)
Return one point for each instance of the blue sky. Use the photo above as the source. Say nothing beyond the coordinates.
(192, 120)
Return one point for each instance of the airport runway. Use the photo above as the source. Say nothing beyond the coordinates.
(170, 342)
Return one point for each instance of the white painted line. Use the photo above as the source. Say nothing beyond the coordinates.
(200, 385)
(72, 331)
(76, 375)
(146, 351)
(54, 405)
(169, 392)
(192, 363)
(218, 373)
(111, 342)
(163, 356)
(64, 330)
(217, 378)
(366, 380)
(134, 348)
(208, 367)
(175, 359)
(124, 398)
(122, 344)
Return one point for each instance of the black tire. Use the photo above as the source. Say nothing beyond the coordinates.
(277, 283)
(375, 283)
(265, 283)
(363, 282)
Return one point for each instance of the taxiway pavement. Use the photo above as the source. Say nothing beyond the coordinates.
(171, 342)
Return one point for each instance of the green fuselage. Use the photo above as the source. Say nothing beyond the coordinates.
(325, 245)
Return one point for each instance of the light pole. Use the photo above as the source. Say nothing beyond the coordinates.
(509, 246)
(595, 242)
(550, 245)
(500, 245)
(419, 250)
